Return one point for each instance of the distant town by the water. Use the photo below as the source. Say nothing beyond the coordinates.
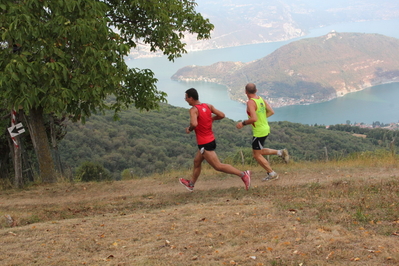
(390, 126)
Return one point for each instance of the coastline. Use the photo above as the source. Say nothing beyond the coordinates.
(285, 101)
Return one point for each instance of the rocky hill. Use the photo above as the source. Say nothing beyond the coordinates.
(309, 70)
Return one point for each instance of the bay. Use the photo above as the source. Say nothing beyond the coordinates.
(377, 103)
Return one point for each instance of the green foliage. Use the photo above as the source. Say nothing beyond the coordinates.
(90, 171)
(155, 141)
(67, 57)
(127, 174)
(379, 136)
(160, 24)
(243, 156)
(310, 143)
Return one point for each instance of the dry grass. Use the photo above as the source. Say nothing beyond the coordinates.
(335, 213)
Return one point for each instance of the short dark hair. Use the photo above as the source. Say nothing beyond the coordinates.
(193, 93)
(250, 88)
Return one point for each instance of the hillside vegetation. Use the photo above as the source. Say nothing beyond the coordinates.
(309, 70)
(143, 143)
(318, 213)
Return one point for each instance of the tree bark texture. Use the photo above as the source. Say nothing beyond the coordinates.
(42, 146)
(4, 155)
(18, 181)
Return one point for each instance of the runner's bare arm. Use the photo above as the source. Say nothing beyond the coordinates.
(269, 109)
(218, 115)
(251, 109)
(193, 120)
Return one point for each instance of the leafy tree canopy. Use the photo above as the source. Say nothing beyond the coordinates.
(68, 56)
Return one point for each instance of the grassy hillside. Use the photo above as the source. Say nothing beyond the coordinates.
(309, 70)
(143, 143)
(318, 213)
(154, 142)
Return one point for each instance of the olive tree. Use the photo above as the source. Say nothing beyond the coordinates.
(66, 57)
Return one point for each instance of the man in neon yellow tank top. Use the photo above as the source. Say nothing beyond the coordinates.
(258, 111)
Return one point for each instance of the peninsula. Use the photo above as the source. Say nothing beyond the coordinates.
(308, 71)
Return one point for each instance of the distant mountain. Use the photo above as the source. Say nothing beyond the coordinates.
(243, 22)
(309, 70)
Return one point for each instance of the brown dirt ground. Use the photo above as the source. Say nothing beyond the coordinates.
(155, 221)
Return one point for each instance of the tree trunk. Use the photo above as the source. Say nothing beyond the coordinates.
(17, 156)
(54, 145)
(4, 153)
(17, 165)
(42, 146)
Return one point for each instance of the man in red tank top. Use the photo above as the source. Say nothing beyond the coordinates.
(202, 116)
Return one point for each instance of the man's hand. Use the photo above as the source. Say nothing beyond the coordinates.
(239, 125)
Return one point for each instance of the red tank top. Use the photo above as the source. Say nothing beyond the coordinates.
(203, 131)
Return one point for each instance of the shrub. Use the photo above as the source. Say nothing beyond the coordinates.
(89, 171)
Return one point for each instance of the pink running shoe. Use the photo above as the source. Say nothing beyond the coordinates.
(247, 179)
(186, 183)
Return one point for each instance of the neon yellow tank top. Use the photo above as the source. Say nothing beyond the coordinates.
(261, 127)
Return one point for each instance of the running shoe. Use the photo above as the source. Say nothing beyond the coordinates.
(187, 184)
(271, 176)
(247, 179)
(285, 156)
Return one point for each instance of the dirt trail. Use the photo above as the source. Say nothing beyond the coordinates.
(156, 221)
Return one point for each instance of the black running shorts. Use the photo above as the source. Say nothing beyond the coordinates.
(211, 146)
(257, 143)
